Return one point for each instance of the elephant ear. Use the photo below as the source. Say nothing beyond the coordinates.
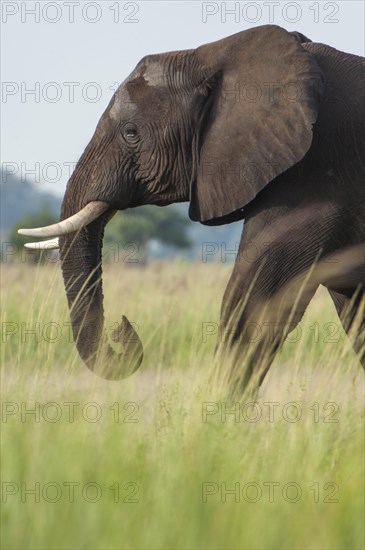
(259, 122)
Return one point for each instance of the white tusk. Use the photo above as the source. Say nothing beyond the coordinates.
(85, 216)
(52, 244)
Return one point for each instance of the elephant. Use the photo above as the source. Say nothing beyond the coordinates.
(263, 126)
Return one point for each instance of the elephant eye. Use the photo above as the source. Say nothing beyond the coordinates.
(130, 133)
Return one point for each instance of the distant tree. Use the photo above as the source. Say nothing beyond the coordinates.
(14, 246)
(137, 226)
(20, 198)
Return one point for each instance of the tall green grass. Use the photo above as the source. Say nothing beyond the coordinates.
(167, 464)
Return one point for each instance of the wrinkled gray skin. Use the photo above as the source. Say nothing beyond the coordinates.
(263, 125)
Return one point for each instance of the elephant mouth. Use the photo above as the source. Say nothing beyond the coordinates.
(92, 211)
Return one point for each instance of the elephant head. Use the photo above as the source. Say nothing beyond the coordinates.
(212, 126)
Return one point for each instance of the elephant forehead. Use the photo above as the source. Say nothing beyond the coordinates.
(154, 72)
(122, 102)
(144, 88)
(134, 99)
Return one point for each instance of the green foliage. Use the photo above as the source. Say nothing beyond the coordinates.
(140, 225)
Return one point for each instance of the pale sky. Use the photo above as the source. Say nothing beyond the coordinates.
(74, 62)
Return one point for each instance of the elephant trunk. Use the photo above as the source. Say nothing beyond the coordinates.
(81, 256)
(86, 209)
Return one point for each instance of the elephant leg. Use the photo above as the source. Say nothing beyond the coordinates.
(263, 302)
(351, 311)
